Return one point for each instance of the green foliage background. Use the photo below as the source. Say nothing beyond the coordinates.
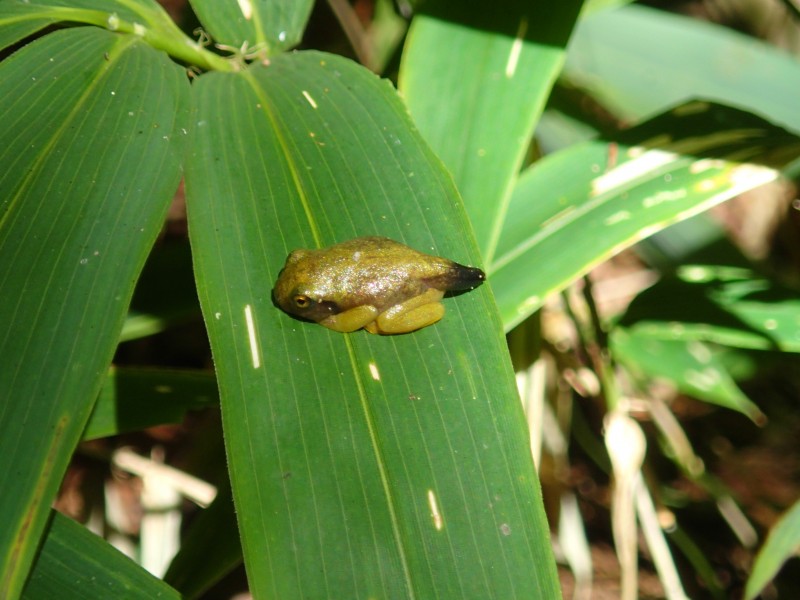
(359, 466)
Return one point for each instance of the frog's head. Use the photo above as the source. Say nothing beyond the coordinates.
(301, 303)
(296, 293)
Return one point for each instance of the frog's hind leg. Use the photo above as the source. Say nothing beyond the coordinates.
(412, 320)
(415, 313)
(350, 320)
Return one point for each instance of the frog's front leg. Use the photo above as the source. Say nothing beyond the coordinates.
(415, 313)
(352, 319)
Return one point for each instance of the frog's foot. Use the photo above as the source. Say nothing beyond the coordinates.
(352, 319)
(415, 313)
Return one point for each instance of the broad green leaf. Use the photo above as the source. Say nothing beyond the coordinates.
(728, 306)
(362, 465)
(137, 398)
(577, 207)
(475, 82)
(21, 18)
(639, 61)
(260, 26)
(591, 6)
(145, 19)
(91, 147)
(781, 545)
(692, 367)
(75, 563)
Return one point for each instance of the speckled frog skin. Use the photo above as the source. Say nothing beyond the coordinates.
(371, 282)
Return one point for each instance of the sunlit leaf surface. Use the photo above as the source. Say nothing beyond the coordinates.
(386, 466)
(577, 207)
(92, 138)
(475, 81)
(74, 563)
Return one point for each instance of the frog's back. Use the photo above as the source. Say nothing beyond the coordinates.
(376, 258)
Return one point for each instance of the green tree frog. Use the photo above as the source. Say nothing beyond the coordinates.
(371, 282)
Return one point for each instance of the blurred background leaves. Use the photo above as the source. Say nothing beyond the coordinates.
(629, 171)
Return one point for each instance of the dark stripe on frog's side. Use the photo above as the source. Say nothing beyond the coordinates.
(458, 277)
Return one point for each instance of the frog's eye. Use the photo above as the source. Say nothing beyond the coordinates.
(302, 301)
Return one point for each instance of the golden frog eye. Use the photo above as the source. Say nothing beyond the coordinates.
(302, 301)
